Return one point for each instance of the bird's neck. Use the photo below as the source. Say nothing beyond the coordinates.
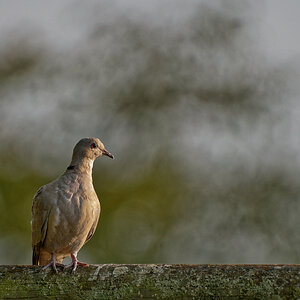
(82, 165)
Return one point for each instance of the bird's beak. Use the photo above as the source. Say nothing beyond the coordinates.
(105, 152)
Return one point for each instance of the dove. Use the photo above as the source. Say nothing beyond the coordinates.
(65, 212)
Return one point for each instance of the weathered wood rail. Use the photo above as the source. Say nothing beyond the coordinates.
(152, 282)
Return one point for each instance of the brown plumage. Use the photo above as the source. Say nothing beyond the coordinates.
(65, 212)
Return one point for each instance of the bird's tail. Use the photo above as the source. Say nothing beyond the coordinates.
(36, 254)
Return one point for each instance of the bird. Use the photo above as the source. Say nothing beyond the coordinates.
(65, 212)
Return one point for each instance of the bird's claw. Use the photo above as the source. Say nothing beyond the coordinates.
(74, 264)
(53, 265)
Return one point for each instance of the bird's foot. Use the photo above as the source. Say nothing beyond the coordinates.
(75, 263)
(80, 263)
(53, 264)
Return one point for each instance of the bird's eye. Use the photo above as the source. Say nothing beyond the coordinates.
(93, 146)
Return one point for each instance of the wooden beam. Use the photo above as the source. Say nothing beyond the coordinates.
(152, 282)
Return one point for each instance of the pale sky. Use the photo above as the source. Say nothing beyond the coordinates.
(280, 29)
(279, 22)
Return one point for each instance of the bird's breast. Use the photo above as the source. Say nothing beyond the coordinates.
(72, 216)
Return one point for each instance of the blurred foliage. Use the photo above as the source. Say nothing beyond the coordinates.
(138, 215)
(190, 109)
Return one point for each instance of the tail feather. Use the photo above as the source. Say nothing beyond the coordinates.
(36, 254)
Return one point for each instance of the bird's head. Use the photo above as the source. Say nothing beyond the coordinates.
(90, 148)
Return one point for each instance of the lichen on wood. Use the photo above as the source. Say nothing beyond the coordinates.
(152, 281)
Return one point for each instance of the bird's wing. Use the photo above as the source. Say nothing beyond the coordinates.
(40, 215)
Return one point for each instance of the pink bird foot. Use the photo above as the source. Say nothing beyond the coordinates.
(75, 263)
(53, 263)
